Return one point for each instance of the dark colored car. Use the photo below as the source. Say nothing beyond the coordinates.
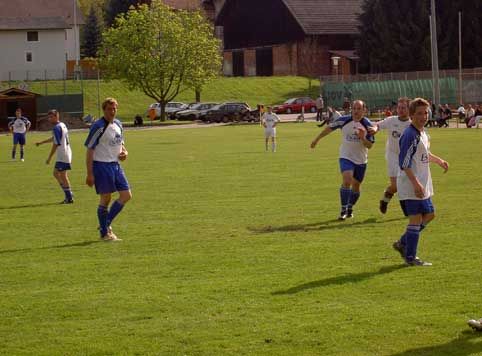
(195, 111)
(227, 112)
(294, 105)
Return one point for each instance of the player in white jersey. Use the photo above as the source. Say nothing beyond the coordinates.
(395, 125)
(270, 120)
(61, 146)
(105, 148)
(353, 154)
(19, 128)
(414, 181)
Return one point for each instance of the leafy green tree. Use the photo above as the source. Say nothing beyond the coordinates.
(161, 52)
(91, 34)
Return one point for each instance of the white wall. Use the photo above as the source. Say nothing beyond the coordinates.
(48, 54)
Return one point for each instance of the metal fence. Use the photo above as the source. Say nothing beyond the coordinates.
(381, 89)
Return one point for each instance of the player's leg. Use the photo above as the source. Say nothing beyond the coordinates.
(415, 209)
(266, 142)
(358, 176)
(388, 194)
(14, 147)
(273, 143)
(125, 194)
(347, 168)
(426, 219)
(102, 213)
(65, 183)
(21, 153)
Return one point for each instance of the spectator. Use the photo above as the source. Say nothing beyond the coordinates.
(461, 112)
(470, 113)
(319, 108)
(478, 116)
(445, 115)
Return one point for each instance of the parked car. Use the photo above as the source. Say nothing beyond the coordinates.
(294, 105)
(195, 111)
(154, 110)
(227, 112)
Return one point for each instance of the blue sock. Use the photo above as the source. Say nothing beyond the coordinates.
(423, 226)
(115, 209)
(412, 235)
(102, 215)
(68, 193)
(403, 240)
(13, 154)
(353, 199)
(21, 153)
(345, 194)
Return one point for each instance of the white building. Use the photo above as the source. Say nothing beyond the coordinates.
(37, 37)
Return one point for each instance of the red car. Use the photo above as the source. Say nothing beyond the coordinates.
(294, 105)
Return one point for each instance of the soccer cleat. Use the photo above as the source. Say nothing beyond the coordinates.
(343, 215)
(67, 201)
(383, 206)
(349, 214)
(417, 262)
(397, 246)
(22, 160)
(475, 324)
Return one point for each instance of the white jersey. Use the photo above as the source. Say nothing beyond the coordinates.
(414, 154)
(61, 139)
(351, 146)
(106, 139)
(270, 120)
(20, 125)
(395, 128)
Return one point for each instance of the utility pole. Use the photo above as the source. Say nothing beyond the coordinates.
(435, 71)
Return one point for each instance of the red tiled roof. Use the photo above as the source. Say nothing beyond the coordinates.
(183, 4)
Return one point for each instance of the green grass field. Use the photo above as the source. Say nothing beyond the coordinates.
(229, 250)
(253, 90)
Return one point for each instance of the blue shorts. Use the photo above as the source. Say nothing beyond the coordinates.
(109, 177)
(415, 207)
(62, 166)
(19, 138)
(358, 169)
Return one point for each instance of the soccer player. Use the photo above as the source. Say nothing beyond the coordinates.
(270, 120)
(61, 146)
(395, 125)
(353, 154)
(19, 128)
(414, 181)
(105, 148)
(475, 324)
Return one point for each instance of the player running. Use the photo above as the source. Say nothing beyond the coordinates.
(61, 146)
(353, 154)
(415, 181)
(19, 128)
(269, 121)
(395, 125)
(105, 148)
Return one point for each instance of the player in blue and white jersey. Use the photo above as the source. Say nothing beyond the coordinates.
(414, 181)
(353, 154)
(19, 128)
(61, 146)
(395, 125)
(105, 148)
(269, 121)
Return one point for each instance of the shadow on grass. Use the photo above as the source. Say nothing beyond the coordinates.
(458, 346)
(27, 206)
(324, 225)
(347, 278)
(78, 244)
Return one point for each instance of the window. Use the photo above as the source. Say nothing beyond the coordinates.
(28, 57)
(32, 36)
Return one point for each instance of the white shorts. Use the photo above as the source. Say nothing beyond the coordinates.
(392, 165)
(269, 132)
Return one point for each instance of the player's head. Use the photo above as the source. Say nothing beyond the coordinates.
(109, 106)
(402, 106)
(53, 116)
(18, 112)
(358, 109)
(418, 110)
(270, 109)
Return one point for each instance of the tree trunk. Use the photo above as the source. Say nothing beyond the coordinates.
(198, 96)
(163, 111)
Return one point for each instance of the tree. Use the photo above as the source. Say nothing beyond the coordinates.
(161, 52)
(116, 7)
(91, 34)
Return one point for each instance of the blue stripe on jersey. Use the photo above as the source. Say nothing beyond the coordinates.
(340, 122)
(95, 133)
(366, 124)
(57, 131)
(408, 146)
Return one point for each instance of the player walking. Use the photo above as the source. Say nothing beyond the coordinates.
(270, 120)
(353, 154)
(415, 181)
(61, 146)
(105, 148)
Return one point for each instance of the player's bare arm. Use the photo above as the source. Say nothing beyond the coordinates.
(323, 133)
(123, 154)
(89, 161)
(52, 152)
(435, 159)
(51, 139)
